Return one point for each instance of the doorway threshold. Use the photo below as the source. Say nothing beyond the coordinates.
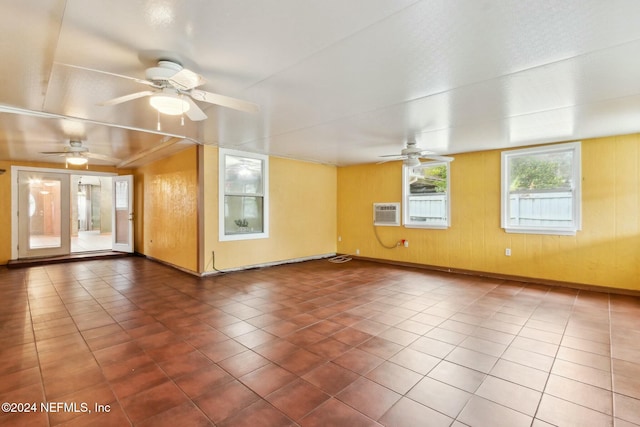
(80, 256)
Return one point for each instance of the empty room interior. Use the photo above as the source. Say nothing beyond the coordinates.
(302, 213)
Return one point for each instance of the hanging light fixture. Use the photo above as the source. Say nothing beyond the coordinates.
(412, 162)
(77, 160)
(169, 102)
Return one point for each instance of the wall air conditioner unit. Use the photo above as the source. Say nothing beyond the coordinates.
(386, 214)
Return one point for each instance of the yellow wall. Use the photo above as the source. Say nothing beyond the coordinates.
(166, 209)
(302, 215)
(605, 253)
(5, 196)
(5, 213)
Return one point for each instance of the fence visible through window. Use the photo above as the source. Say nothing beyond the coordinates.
(428, 209)
(541, 208)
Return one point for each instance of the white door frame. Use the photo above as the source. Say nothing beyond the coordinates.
(14, 195)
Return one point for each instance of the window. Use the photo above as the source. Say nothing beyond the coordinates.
(426, 195)
(541, 190)
(244, 189)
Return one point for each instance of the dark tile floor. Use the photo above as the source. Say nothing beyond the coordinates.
(132, 342)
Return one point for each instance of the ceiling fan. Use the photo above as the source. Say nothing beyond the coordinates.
(174, 91)
(77, 155)
(412, 154)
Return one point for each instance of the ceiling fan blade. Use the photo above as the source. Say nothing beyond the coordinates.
(54, 153)
(399, 156)
(194, 112)
(187, 79)
(101, 157)
(438, 158)
(225, 101)
(391, 158)
(125, 98)
(108, 73)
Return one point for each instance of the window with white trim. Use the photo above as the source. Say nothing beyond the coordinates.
(244, 191)
(426, 195)
(541, 190)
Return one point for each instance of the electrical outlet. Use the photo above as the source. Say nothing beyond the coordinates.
(339, 238)
(357, 251)
(406, 243)
(507, 252)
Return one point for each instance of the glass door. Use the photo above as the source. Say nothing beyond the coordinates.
(123, 213)
(43, 214)
(91, 213)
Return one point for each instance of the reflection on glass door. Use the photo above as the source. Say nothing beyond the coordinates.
(43, 214)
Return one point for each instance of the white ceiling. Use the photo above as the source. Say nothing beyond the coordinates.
(338, 81)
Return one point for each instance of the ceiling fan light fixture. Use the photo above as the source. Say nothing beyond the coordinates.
(168, 103)
(412, 162)
(77, 160)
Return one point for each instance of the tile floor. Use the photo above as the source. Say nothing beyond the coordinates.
(84, 241)
(310, 344)
(91, 241)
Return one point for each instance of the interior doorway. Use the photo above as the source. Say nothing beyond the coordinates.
(91, 213)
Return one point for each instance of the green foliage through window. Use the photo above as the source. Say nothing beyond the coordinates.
(430, 179)
(540, 172)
